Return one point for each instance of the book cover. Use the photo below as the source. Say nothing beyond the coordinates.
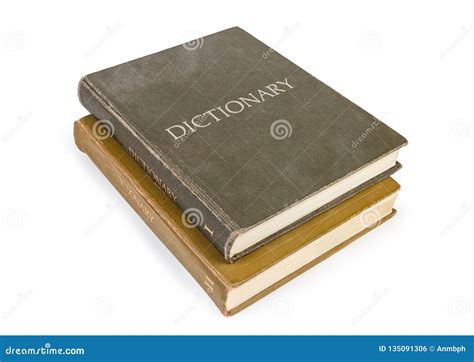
(194, 251)
(235, 134)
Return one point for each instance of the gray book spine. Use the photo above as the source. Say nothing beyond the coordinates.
(196, 213)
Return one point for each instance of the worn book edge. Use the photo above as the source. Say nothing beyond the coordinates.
(142, 202)
(222, 223)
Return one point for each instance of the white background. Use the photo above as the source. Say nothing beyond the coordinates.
(75, 258)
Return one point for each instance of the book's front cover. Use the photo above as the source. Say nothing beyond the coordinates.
(246, 129)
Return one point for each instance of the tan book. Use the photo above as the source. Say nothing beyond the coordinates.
(235, 286)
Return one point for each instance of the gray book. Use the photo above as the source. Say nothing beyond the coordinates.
(245, 142)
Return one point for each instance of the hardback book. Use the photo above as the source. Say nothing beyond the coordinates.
(234, 286)
(245, 142)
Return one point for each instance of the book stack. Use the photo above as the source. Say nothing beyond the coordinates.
(248, 168)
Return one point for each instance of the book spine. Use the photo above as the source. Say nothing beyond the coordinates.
(196, 212)
(139, 199)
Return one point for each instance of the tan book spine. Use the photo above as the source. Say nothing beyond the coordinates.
(144, 204)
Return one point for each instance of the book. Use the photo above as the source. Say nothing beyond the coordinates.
(235, 286)
(245, 142)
